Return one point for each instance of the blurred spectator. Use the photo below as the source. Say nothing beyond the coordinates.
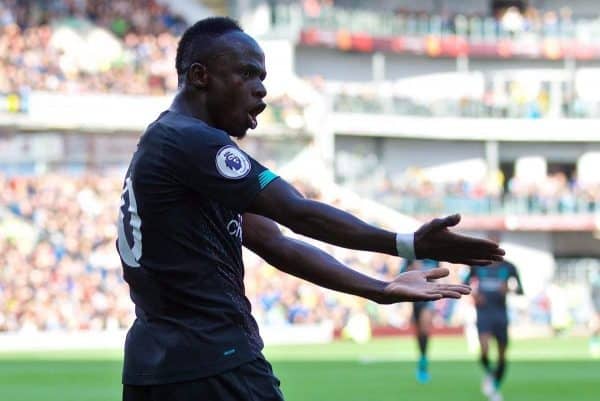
(511, 20)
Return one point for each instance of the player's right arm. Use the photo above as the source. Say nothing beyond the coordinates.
(284, 204)
(514, 273)
(263, 237)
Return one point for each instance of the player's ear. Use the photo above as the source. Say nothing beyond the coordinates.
(197, 75)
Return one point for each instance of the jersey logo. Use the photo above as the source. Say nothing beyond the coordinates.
(232, 163)
(130, 255)
(234, 227)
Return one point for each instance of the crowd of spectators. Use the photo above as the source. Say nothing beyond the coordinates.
(67, 275)
(34, 57)
(415, 193)
(121, 17)
(37, 54)
(551, 195)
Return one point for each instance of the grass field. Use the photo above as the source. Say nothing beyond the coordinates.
(383, 370)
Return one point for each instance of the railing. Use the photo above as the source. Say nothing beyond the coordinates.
(490, 205)
(466, 107)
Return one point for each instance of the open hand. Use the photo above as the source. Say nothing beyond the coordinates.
(433, 240)
(417, 285)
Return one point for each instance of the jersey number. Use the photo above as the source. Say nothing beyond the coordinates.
(130, 255)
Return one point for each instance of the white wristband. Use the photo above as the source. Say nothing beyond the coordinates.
(405, 245)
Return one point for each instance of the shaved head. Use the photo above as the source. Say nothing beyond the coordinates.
(200, 42)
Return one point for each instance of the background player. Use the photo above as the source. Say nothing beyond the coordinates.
(423, 312)
(489, 293)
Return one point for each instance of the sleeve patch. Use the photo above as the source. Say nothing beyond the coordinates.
(232, 163)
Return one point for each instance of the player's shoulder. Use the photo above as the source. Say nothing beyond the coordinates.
(189, 130)
(477, 270)
(509, 265)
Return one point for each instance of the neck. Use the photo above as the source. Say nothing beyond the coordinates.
(190, 103)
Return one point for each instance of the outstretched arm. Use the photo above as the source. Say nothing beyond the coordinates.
(284, 204)
(300, 259)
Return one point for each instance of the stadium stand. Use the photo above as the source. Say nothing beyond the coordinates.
(68, 276)
(59, 269)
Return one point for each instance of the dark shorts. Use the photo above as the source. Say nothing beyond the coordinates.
(496, 325)
(253, 381)
(419, 307)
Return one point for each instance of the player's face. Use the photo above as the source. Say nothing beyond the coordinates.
(235, 88)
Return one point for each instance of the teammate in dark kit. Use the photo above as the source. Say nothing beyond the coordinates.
(423, 312)
(191, 199)
(492, 318)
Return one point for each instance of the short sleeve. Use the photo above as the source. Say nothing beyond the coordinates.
(210, 163)
(513, 270)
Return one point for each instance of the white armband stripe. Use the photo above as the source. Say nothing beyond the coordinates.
(405, 245)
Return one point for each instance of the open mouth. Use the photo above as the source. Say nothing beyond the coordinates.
(255, 111)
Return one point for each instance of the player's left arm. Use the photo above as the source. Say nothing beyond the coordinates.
(295, 257)
(477, 296)
(281, 202)
(469, 276)
(514, 273)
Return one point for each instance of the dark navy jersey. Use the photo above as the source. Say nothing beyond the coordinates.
(180, 243)
(492, 284)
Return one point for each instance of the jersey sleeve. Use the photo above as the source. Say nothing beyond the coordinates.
(514, 273)
(210, 163)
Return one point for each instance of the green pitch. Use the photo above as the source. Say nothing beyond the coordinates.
(383, 370)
